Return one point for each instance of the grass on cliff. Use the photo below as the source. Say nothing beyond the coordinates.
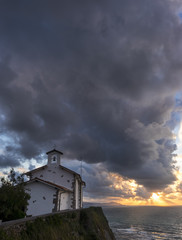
(87, 224)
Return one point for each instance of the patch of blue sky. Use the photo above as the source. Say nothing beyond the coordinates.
(174, 122)
(180, 15)
(176, 115)
(178, 99)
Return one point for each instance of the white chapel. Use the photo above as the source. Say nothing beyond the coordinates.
(53, 187)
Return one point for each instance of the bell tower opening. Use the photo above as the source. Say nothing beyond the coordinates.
(54, 157)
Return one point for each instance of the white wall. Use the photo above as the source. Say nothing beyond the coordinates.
(41, 201)
(55, 174)
(81, 197)
(77, 194)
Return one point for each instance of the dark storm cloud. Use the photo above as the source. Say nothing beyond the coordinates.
(98, 78)
(8, 161)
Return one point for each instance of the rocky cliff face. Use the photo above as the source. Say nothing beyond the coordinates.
(85, 224)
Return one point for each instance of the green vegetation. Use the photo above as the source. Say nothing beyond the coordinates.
(13, 198)
(86, 224)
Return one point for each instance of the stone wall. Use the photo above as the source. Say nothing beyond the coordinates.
(81, 224)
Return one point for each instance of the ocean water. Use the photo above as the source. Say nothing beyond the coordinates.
(145, 223)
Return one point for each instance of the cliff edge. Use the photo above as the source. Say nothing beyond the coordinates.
(84, 224)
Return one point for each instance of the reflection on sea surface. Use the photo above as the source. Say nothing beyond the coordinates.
(145, 223)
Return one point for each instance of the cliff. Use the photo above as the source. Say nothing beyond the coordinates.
(84, 224)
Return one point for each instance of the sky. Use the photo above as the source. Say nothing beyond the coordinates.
(102, 81)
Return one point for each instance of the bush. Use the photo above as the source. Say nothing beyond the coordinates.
(13, 198)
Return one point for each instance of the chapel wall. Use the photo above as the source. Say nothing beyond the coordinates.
(41, 201)
(56, 175)
(77, 193)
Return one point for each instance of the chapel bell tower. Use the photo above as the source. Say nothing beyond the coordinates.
(54, 157)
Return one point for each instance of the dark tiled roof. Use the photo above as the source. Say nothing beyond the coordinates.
(54, 150)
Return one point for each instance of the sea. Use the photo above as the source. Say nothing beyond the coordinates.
(145, 223)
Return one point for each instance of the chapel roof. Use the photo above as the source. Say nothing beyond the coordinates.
(35, 170)
(45, 166)
(48, 183)
(54, 150)
(64, 168)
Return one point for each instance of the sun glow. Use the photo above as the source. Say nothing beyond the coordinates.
(155, 196)
(125, 191)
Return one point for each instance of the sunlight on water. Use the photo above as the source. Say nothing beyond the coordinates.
(145, 223)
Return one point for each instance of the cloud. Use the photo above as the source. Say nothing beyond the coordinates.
(102, 184)
(8, 161)
(142, 193)
(96, 78)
